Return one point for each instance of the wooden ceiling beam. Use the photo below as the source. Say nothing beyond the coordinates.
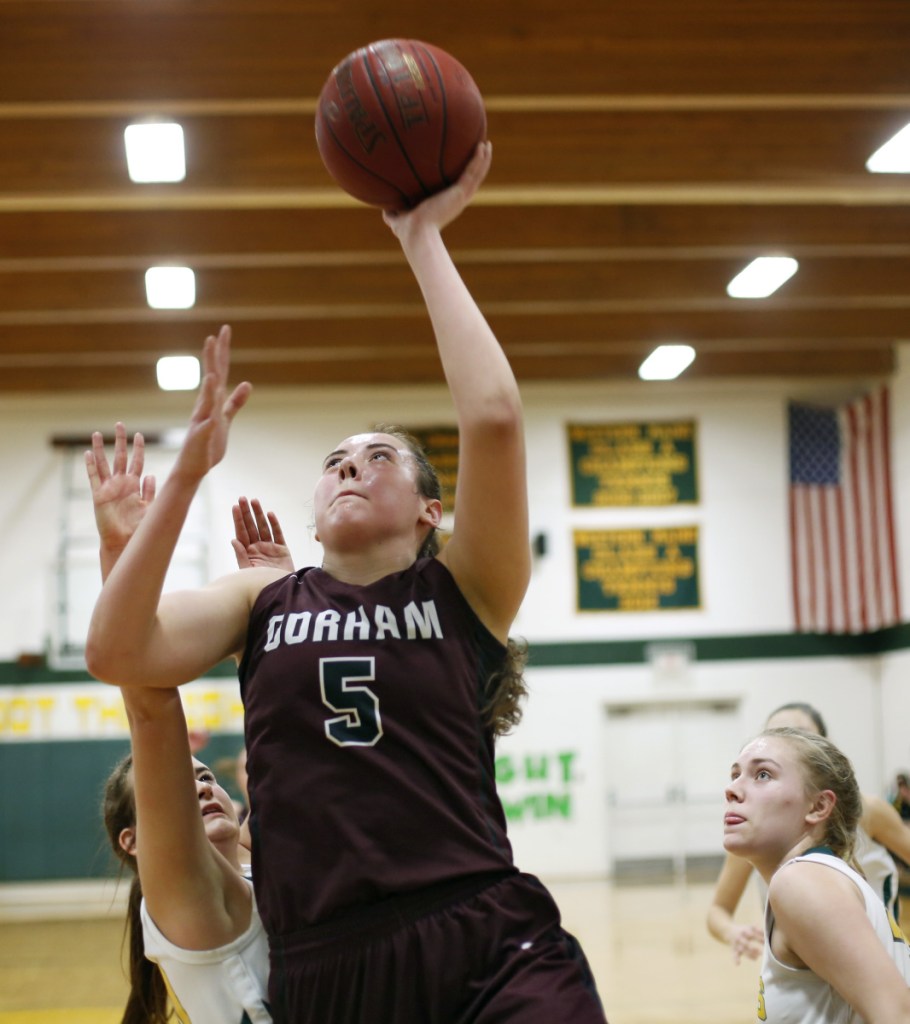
(96, 50)
(241, 154)
(622, 366)
(832, 282)
(329, 234)
(304, 332)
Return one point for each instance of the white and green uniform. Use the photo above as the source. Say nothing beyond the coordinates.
(796, 995)
(214, 986)
(879, 868)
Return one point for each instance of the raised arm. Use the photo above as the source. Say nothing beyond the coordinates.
(744, 939)
(489, 550)
(193, 891)
(138, 638)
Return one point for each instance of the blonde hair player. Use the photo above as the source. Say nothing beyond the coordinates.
(880, 830)
(833, 954)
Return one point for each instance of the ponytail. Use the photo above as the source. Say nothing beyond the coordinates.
(147, 1000)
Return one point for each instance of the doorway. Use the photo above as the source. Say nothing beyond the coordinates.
(667, 763)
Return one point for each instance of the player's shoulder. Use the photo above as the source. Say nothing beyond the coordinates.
(807, 882)
(249, 582)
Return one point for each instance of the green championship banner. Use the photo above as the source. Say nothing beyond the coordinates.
(633, 464)
(637, 570)
(441, 446)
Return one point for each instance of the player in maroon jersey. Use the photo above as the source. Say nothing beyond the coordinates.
(373, 686)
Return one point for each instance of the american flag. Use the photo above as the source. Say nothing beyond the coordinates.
(843, 548)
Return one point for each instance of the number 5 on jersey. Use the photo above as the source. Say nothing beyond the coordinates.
(358, 723)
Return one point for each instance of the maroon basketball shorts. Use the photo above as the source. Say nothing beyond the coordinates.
(482, 950)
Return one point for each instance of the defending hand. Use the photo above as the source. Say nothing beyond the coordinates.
(258, 539)
(215, 409)
(120, 494)
(747, 940)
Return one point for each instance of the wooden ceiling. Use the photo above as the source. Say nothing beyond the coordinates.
(644, 151)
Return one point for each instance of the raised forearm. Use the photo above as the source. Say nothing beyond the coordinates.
(480, 379)
(125, 618)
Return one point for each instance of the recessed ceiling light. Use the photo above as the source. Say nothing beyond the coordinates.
(170, 287)
(762, 277)
(894, 156)
(666, 362)
(178, 373)
(154, 152)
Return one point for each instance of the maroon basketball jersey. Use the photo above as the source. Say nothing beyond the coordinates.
(371, 772)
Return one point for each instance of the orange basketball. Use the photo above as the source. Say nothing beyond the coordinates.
(397, 121)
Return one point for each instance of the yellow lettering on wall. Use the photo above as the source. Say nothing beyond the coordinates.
(214, 710)
(25, 716)
(100, 716)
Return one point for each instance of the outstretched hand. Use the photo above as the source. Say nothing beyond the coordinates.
(747, 940)
(120, 494)
(442, 208)
(258, 537)
(215, 409)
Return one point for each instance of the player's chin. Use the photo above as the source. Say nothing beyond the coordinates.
(732, 841)
(218, 822)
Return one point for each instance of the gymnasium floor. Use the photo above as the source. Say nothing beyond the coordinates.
(654, 961)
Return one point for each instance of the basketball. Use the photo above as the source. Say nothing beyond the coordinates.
(398, 120)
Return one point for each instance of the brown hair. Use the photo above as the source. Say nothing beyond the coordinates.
(427, 480)
(808, 710)
(506, 688)
(147, 1000)
(826, 767)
